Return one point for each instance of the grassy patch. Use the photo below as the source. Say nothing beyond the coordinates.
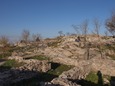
(11, 63)
(95, 79)
(5, 55)
(60, 69)
(55, 72)
(92, 76)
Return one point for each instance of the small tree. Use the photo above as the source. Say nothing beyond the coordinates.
(61, 33)
(110, 24)
(36, 37)
(5, 46)
(97, 25)
(67, 33)
(84, 29)
(77, 29)
(25, 35)
(106, 33)
(4, 40)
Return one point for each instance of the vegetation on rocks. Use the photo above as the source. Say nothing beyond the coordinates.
(92, 76)
(11, 64)
(96, 79)
(59, 69)
(56, 70)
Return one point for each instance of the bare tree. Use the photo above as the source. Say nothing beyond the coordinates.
(106, 33)
(84, 29)
(68, 34)
(110, 24)
(61, 33)
(25, 35)
(97, 25)
(36, 37)
(4, 40)
(77, 29)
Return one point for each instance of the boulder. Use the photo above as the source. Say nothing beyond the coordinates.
(63, 82)
(106, 66)
(76, 73)
(36, 65)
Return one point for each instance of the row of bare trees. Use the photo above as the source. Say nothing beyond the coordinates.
(110, 26)
(26, 36)
(82, 28)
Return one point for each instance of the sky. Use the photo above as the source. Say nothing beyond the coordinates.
(48, 17)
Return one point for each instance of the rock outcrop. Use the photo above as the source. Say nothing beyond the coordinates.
(64, 51)
(76, 73)
(32, 64)
(35, 65)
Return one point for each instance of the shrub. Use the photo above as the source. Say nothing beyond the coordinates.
(5, 55)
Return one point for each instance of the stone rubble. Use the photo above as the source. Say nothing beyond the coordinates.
(35, 65)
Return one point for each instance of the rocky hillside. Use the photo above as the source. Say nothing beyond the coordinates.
(95, 54)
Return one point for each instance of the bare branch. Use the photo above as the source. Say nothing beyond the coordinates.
(110, 24)
(77, 29)
(97, 26)
(61, 33)
(36, 37)
(84, 28)
(25, 35)
(4, 40)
